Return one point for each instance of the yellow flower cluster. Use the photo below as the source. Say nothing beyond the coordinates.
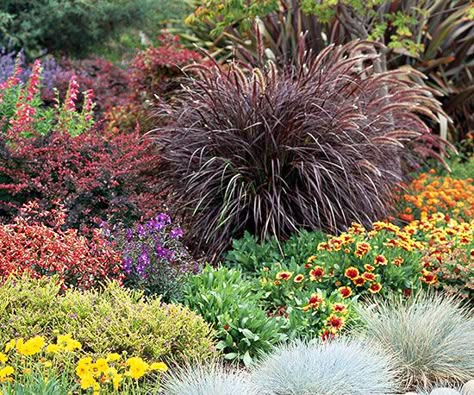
(92, 374)
(106, 370)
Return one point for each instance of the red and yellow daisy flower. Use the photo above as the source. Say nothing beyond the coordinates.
(345, 292)
(368, 276)
(311, 259)
(375, 288)
(299, 278)
(316, 273)
(380, 260)
(314, 302)
(284, 275)
(398, 261)
(324, 246)
(428, 277)
(359, 281)
(352, 272)
(339, 308)
(369, 268)
(362, 249)
(335, 322)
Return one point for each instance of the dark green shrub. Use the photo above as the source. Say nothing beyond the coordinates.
(72, 27)
(115, 319)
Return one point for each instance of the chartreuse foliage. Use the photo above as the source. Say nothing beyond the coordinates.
(115, 320)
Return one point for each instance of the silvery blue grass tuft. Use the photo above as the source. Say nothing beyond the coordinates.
(338, 367)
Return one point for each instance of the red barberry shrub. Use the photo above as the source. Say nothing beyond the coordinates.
(316, 146)
(157, 70)
(94, 176)
(27, 246)
(61, 154)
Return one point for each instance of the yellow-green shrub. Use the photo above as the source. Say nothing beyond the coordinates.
(114, 319)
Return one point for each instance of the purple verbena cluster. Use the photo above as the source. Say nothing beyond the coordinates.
(154, 258)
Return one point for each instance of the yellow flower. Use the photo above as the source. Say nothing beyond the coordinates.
(100, 366)
(53, 349)
(47, 364)
(6, 371)
(3, 357)
(113, 357)
(67, 343)
(87, 381)
(11, 344)
(31, 346)
(117, 380)
(138, 367)
(159, 366)
(83, 367)
(73, 345)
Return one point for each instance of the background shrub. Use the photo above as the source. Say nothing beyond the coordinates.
(73, 27)
(115, 319)
(426, 335)
(157, 69)
(39, 250)
(273, 153)
(59, 154)
(153, 258)
(333, 368)
(433, 37)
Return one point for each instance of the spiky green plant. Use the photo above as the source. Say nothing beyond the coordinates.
(430, 336)
(314, 147)
(342, 366)
(213, 379)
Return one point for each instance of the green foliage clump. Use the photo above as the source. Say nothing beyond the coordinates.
(252, 255)
(115, 320)
(252, 315)
(230, 303)
(72, 27)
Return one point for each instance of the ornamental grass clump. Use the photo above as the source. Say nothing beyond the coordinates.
(208, 379)
(316, 146)
(429, 336)
(336, 367)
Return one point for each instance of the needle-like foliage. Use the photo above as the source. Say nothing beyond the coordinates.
(338, 367)
(431, 338)
(315, 146)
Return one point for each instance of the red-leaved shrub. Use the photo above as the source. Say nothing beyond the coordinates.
(95, 177)
(157, 70)
(27, 246)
